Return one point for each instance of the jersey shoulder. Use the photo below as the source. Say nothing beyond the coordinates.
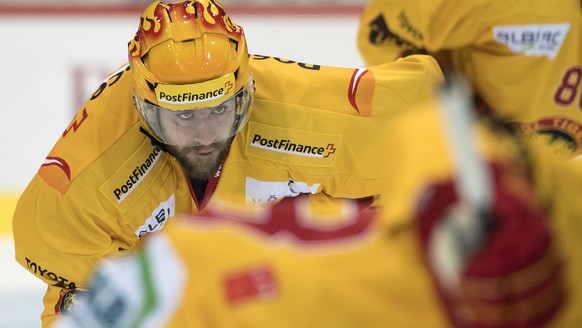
(342, 90)
(103, 153)
(103, 120)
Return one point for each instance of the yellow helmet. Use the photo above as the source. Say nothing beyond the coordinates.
(189, 56)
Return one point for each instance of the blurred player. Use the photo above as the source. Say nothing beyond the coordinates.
(193, 121)
(524, 58)
(471, 241)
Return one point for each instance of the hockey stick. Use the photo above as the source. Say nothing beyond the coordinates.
(462, 232)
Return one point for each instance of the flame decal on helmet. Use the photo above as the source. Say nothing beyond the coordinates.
(151, 22)
(134, 48)
(230, 26)
(148, 19)
(210, 12)
(190, 9)
(149, 25)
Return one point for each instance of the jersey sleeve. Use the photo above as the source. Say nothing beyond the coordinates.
(143, 289)
(59, 239)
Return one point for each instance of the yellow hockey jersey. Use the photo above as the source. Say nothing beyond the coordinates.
(314, 130)
(232, 272)
(524, 58)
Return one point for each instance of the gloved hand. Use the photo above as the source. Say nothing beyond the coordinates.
(493, 267)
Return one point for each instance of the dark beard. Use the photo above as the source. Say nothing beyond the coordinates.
(200, 170)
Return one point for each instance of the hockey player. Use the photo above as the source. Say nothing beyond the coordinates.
(194, 121)
(500, 247)
(524, 58)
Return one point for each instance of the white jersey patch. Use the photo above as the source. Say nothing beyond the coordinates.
(533, 40)
(158, 218)
(261, 192)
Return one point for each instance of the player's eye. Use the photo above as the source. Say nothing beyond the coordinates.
(219, 109)
(186, 115)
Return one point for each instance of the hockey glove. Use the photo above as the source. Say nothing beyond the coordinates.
(493, 267)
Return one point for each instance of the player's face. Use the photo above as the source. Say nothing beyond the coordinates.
(199, 138)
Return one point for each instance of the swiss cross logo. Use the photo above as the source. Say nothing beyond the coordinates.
(227, 87)
(256, 283)
(329, 150)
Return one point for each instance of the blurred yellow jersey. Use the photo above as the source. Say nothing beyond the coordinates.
(224, 270)
(524, 58)
(313, 130)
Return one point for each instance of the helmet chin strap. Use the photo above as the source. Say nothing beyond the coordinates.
(154, 141)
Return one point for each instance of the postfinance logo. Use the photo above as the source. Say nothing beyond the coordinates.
(293, 146)
(287, 146)
(204, 94)
(137, 175)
